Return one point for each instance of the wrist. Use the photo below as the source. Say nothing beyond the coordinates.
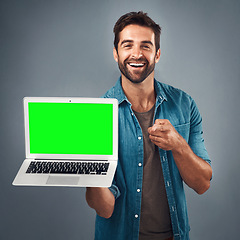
(181, 146)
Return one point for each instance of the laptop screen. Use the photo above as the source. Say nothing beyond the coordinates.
(70, 128)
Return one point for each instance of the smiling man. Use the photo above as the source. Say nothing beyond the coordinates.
(160, 145)
(134, 65)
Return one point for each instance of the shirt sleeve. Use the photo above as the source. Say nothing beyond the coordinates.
(196, 141)
(114, 189)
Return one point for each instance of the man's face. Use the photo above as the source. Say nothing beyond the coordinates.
(136, 55)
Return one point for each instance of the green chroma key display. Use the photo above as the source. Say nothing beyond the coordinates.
(71, 128)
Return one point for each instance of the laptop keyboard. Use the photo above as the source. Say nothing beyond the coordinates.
(68, 167)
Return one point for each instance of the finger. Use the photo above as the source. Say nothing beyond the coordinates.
(155, 138)
(161, 142)
(158, 139)
(158, 129)
(162, 121)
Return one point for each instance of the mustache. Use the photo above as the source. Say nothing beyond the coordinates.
(136, 60)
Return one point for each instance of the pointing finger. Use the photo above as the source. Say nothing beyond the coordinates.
(156, 129)
(162, 121)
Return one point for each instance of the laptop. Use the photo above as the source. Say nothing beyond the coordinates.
(71, 142)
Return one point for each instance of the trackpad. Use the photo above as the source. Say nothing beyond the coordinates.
(62, 180)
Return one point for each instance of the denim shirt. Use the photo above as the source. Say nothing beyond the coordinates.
(180, 109)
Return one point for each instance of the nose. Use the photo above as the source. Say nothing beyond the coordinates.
(136, 52)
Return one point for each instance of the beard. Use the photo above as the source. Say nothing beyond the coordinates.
(136, 76)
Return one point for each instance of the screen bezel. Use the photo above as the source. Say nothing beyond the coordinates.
(70, 100)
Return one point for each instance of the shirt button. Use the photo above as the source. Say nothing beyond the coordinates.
(139, 164)
(138, 190)
(136, 216)
(139, 138)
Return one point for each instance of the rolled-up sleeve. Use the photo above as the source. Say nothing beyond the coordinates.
(114, 189)
(196, 140)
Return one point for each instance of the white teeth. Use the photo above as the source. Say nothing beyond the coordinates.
(136, 64)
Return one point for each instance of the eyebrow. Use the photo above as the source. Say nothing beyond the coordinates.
(131, 41)
(126, 41)
(148, 42)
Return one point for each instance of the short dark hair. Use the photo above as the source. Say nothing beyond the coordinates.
(139, 18)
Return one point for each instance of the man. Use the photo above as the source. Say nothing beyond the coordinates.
(160, 145)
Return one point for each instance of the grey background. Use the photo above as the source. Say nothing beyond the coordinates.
(64, 48)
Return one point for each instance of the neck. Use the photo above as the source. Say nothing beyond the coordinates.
(141, 95)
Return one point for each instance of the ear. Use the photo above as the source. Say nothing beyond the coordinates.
(158, 54)
(115, 54)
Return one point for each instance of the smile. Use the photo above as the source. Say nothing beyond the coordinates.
(136, 65)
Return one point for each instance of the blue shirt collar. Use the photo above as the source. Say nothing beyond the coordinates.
(119, 93)
(160, 95)
(121, 97)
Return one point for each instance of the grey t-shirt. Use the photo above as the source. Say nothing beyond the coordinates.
(155, 221)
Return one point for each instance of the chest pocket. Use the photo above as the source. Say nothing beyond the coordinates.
(183, 130)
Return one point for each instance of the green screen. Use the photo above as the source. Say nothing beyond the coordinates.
(71, 128)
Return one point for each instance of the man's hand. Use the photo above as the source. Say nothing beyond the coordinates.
(195, 172)
(164, 135)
